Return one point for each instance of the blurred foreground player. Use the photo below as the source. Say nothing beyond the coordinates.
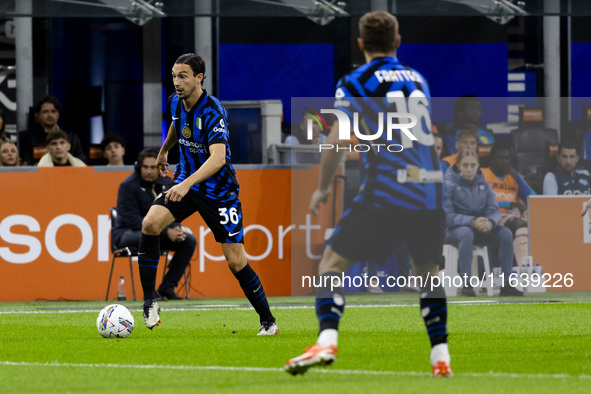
(205, 182)
(401, 199)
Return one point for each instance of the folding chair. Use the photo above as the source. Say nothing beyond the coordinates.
(126, 251)
(450, 253)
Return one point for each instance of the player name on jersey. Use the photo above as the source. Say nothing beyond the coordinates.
(398, 76)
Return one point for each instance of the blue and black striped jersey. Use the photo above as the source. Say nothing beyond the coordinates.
(204, 125)
(410, 177)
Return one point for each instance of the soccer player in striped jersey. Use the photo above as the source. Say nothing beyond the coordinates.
(401, 199)
(205, 182)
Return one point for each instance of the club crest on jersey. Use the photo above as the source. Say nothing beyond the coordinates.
(186, 132)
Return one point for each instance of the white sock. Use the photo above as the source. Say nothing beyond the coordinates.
(327, 337)
(440, 353)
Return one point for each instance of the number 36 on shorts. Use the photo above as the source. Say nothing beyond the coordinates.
(229, 215)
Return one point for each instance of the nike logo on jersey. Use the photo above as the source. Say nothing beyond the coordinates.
(173, 118)
(233, 234)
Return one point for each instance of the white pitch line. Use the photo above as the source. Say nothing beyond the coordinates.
(260, 369)
(207, 308)
(281, 307)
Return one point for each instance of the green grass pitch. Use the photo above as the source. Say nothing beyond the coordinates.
(538, 344)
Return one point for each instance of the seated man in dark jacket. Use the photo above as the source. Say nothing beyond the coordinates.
(47, 111)
(135, 196)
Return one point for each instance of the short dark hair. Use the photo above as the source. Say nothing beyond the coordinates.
(111, 138)
(378, 30)
(568, 144)
(460, 104)
(148, 152)
(500, 147)
(196, 63)
(56, 135)
(50, 100)
(467, 133)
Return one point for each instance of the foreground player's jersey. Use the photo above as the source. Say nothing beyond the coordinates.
(410, 178)
(204, 125)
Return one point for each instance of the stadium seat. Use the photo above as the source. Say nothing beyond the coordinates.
(129, 252)
(450, 253)
(530, 146)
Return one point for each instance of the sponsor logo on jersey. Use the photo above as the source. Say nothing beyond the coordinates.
(193, 146)
(221, 128)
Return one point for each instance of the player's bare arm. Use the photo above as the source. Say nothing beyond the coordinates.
(216, 160)
(586, 208)
(328, 165)
(162, 159)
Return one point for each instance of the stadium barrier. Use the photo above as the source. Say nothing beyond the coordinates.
(55, 228)
(55, 225)
(560, 241)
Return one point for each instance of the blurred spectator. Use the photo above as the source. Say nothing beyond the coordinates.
(438, 146)
(8, 154)
(47, 111)
(567, 179)
(512, 193)
(58, 152)
(299, 137)
(510, 188)
(3, 136)
(472, 218)
(467, 139)
(467, 113)
(113, 148)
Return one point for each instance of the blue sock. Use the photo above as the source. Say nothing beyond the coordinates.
(253, 290)
(148, 257)
(330, 303)
(434, 311)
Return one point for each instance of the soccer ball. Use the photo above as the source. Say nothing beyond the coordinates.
(114, 321)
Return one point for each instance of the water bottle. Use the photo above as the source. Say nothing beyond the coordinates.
(496, 282)
(121, 289)
(527, 260)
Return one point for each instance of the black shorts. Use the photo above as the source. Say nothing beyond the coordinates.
(365, 233)
(223, 216)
